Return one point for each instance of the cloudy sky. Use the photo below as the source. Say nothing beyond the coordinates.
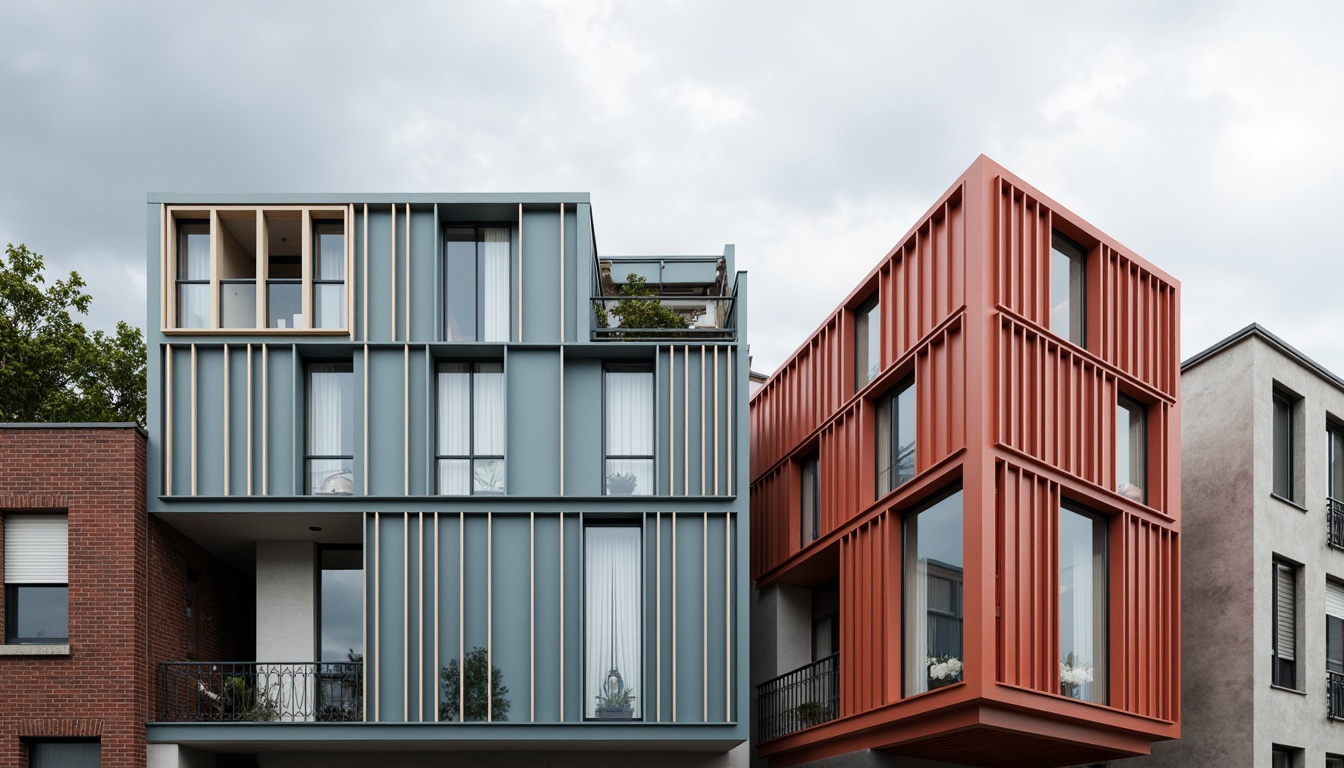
(1208, 137)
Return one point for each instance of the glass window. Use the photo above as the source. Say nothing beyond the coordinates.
(476, 283)
(1068, 289)
(826, 620)
(1131, 449)
(612, 637)
(471, 428)
(328, 274)
(1283, 445)
(64, 754)
(340, 674)
(193, 273)
(1334, 632)
(933, 595)
(810, 493)
(867, 342)
(628, 399)
(1335, 462)
(36, 578)
(1285, 625)
(1283, 758)
(331, 429)
(896, 437)
(284, 270)
(1082, 605)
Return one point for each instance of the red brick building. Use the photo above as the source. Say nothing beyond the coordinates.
(94, 593)
(965, 498)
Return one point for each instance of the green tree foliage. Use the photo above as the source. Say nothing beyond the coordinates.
(640, 313)
(51, 368)
(473, 677)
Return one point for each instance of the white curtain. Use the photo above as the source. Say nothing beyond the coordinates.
(488, 427)
(1082, 598)
(194, 300)
(629, 406)
(454, 428)
(329, 423)
(612, 604)
(495, 284)
(330, 297)
(916, 612)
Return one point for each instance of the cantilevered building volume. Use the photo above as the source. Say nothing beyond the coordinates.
(965, 492)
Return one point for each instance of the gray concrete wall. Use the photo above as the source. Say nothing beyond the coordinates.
(286, 601)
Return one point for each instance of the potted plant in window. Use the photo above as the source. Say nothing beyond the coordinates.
(943, 670)
(1073, 676)
(621, 483)
(616, 702)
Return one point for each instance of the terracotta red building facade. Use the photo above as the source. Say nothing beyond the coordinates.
(971, 472)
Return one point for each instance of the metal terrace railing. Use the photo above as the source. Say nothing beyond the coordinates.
(692, 298)
(250, 691)
(1334, 521)
(800, 699)
(1334, 694)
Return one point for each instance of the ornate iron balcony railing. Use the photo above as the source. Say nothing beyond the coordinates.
(1334, 694)
(800, 699)
(253, 691)
(1334, 521)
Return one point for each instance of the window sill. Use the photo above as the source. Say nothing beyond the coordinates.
(1287, 690)
(34, 649)
(1289, 502)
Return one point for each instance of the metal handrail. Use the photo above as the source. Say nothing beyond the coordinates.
(1334, 694)
(256, 691)
(807, 696)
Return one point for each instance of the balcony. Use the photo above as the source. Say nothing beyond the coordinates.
(683, 298)
(1334, 694)
(1334, 521)
(805, 697)
(249, 691)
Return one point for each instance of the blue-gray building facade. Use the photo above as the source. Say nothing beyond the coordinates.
(491, 485)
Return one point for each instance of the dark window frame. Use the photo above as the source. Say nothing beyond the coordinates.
(809, 497)
(471, 457)
(1284, 433)
(1100, 522)
(14, 598)
(864, 321)
(308, 457)
(1138, 454)
(1283, 671)
(955, 487)
(185, 229)
(478, 271)
(607, 456)
(888, 408)
(1076, 254)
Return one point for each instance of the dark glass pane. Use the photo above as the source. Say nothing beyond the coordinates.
(809, 494)
(284, 304)
(1131, 450)
(40, 613)
(1283, 447)
(1068, 289)
(905, 434)
(342, 605)
(460, 285)
(64, 754)
(1334, 644)
(867, 339)
(1335, 454)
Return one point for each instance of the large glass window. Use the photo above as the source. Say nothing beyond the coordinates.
(328, 274)
(36, 576)
(331, 429)
(613, 659)
(1285, 625)
(476, 283)
(896, 437)
(1131, 449)
(1334, 462)
(341, 640)
(933, 595)
(64, 754)
(193, 273)
(867, 342)
(1082, 605)
(810, 494)
(1068, 289)
(471, 428)
(1283, 445)
(628, 406)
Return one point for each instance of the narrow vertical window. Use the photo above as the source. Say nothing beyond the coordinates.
(237, 269)
(896, 437)
(613, 659)
(1334, 648)
(341, 633)
(810, 493)
(933, 596)
(193, 599)
(36, 578)
(867, 342)
(331, 429)
(1131, 449)
(476, 283)
(471, 428)
(284, 270)
(193, 273)
(1068, 289)
(1285, 625)
(628, 406)
(1082, 605)
(1283, 446)
(328, 274)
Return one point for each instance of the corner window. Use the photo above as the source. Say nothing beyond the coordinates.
(896, 437)
(1082, 605)
(867, 342)
(64, 754)
(1068, 289)
(628, 439)
(328, 274)
(1285, 625)
(613, 660)
(933, 595)
(471, 428)
(193, 273)
(476, 283)
(809, 470)
(330, 457)
(1131, 449)
(1285, 460)
(36, 578)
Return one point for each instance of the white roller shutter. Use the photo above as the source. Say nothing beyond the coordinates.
(1334, 600)
(36, 549)
(1285, 588)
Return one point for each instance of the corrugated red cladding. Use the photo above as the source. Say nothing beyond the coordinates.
(1024, 421)
(102, 690)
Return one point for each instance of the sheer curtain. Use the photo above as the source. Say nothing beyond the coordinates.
(933, 542)
(194, 265)
(612, 604)
(1082, 605)
(329, 425)
(629, 396)
(488, 416)
(330, 309)
(495, 284)
(454, 428)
